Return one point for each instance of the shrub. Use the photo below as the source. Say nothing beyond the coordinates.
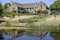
(31, 26)
(7, 23)
(30, 20)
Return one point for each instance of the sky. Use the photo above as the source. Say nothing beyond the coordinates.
(48, 2)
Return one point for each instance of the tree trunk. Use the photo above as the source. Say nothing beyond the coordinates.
(55, 17)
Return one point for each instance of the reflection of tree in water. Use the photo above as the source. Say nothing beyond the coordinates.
(1, 31)
(36, 33)
(17, 33)
(56, 35)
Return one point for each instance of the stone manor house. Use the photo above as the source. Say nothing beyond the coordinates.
(32, 7)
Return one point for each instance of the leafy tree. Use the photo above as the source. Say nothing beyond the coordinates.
(7, 24)
(55, 13)
(55, 35)
(1, 10)
(26, 12)
(14, 12)
(31, 13)
(6, 5)
(40, 13)
(5, 12)
(45, 12)
(8, 14)
(55, 5)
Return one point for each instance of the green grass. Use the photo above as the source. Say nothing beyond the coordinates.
(8, 23)
(44, 27)
(44, 19)
(12, 27)
(14, 22)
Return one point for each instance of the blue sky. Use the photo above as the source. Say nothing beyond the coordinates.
(48, 2)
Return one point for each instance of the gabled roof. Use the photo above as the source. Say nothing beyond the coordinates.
(18, 4)
(29, 5)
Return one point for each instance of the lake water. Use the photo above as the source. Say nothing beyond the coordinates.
(29, 35)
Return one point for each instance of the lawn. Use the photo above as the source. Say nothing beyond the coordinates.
(14, 22)
(48, 24)
(11, 27)
(42, 24)
(42, 20)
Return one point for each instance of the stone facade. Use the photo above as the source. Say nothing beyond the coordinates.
(33, 7)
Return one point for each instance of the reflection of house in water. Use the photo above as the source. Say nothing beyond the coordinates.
(14, 34)
(40, 34)
(20, 35)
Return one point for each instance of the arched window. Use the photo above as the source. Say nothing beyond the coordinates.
(41, 6)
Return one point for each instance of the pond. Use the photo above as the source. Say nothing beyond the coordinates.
(29, 35)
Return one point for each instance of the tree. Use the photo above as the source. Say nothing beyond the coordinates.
(1, 10)
(26, 12)
(14, 12)
(55, 5)
(55, 35)
(5, 12)
(45, 12)
(40, 12)
(8, 14)
(6, 5)
(55, 13)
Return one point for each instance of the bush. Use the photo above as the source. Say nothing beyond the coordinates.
(31, 26)
(7, 23)
(30, 20)
(14, 22)
(23, 20)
